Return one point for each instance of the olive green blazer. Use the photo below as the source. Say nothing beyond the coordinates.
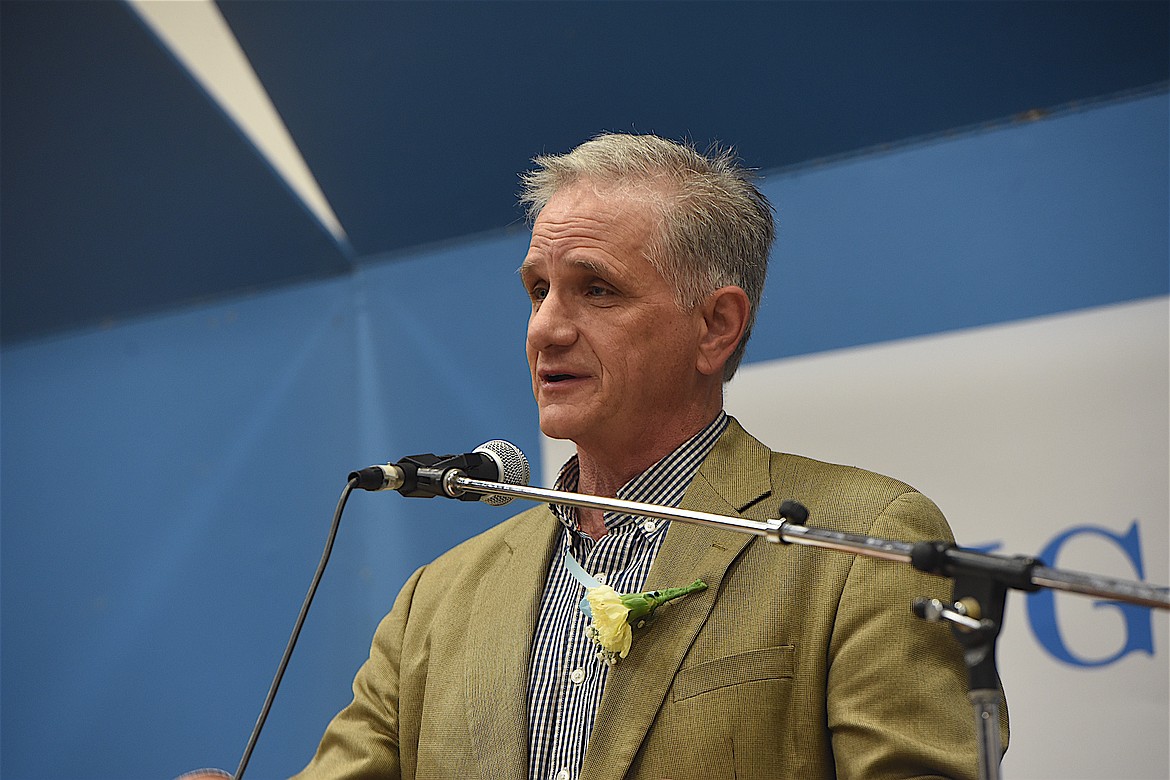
(795, 663)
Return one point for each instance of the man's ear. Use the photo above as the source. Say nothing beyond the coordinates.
(725, 317)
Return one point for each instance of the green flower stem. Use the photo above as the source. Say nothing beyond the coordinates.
(642, 605)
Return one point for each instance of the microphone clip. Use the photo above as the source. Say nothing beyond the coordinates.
(427, 476)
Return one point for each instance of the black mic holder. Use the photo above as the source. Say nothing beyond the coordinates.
(980, 580)
(427, 476)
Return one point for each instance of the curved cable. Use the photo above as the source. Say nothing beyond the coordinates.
(296, 632)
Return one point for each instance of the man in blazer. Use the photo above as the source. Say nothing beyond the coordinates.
(645, 270)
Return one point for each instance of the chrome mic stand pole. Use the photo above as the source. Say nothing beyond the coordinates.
(932, 557)
(981, 581)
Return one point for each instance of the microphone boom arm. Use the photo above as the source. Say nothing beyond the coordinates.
(940, 558)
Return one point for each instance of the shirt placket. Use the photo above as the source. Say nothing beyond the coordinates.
(585, 672)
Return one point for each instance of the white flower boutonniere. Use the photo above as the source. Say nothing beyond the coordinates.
(614, 616)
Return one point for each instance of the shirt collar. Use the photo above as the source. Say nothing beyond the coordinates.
(664, 483)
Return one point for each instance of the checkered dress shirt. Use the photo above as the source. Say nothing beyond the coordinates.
(567, 679)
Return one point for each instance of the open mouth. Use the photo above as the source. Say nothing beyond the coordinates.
(558, 377)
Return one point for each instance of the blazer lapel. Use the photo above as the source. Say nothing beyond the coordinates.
(734, 477)
(496, 668)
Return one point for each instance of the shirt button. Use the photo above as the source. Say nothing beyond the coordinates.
(600, 577)
(649, 526)
(577, 676)
(563, 774)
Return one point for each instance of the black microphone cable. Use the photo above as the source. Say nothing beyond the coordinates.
(296, 632)
(418, 475)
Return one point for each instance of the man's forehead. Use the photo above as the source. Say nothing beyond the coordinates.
(611, 195)
(586, 225)
(584, 213)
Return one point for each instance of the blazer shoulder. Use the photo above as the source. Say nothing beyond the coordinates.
(738, 450)
(838, 497)
(856, 500)
(813, 473)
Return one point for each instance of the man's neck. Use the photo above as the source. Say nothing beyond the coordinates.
(595, 480)
(605, 473)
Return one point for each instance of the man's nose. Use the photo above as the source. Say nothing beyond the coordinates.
(551, 323)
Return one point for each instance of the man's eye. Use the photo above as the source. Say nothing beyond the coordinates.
(596, 290)
(538, 293)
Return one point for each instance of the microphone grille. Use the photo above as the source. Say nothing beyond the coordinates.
(512, 464)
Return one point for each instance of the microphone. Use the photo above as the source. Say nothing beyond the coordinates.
(427, 476)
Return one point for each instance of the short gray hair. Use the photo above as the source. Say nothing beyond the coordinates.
(717, 226)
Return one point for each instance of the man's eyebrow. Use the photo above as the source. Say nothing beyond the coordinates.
(527, 267)
(597, 269)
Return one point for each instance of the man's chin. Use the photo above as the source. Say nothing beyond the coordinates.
(553, 431)
(555, 426)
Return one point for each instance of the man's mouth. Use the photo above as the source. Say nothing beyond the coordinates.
(557, 377)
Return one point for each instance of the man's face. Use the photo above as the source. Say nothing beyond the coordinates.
(613, 357)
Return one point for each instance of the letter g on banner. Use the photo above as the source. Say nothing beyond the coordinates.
(1139, 624)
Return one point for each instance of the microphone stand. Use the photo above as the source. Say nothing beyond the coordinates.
(981, 581)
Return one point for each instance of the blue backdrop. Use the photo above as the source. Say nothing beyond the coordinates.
(167, 484)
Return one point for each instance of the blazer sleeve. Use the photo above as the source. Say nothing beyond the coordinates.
(897, 686)
(362, 741)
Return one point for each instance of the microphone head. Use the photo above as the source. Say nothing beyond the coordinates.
(511, 465)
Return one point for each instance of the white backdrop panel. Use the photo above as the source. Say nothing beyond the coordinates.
(1023, 433)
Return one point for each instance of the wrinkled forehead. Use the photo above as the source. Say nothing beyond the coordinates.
(627, 216)
(649, 195)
